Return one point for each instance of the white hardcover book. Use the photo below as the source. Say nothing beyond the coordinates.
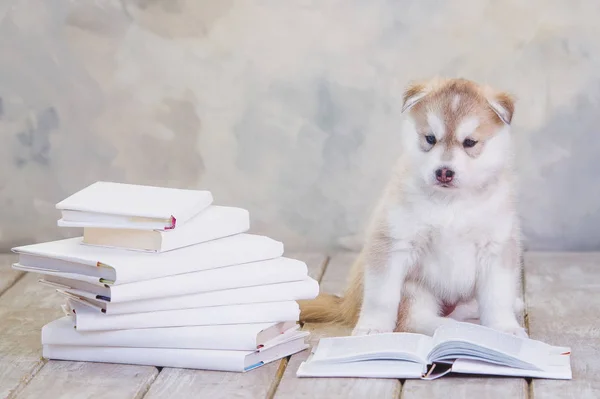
(87, 319)
(278, 270)
(462, 348)
(247, 337)
(201, 359)
(69, 258)
(291, 291)
(120, 205)
(212, 223)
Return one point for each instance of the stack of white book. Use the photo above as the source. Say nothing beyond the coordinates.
(164, 277)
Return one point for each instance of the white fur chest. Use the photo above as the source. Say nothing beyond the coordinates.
(448, 265)
(446, 238)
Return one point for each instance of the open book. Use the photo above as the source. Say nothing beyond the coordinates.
(119, 205)
(454, 348)
(118, 266)
(244, 337)
(212, 223)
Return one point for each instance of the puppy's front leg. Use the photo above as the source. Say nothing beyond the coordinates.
(383, 281)
(497, 290)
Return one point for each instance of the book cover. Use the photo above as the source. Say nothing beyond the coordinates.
(248, 337)
(88, 320)
(217, 360)
(120, 205)
(120, 266)
(262, 273)
(261, 292)
(209, 224)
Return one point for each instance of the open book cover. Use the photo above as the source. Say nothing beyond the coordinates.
(247, 337)
(119, 266)
(289, 291)
(212, 223)
(261, 273)
(120, 205)
(86, 319)
(200, 359)
(462, 348)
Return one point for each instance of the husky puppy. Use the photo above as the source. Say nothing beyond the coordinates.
(445, 237)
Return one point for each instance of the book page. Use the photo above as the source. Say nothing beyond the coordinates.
(366, 369)
(48, 265)
(472, 341)
(397, 346)
(560, 368)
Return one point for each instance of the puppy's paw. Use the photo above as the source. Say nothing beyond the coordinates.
(374, 325)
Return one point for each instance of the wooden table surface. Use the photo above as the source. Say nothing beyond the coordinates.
(561, 292)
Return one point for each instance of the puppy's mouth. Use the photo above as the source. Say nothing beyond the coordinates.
(447, 186)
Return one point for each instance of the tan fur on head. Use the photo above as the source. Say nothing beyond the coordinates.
(454, 101)
(501, 103)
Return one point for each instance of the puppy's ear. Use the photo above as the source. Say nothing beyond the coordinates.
(412, 95)
(503, 104)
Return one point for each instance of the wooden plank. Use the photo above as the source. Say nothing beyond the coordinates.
(334, 281)
(477, 387)
(183, 383)
(8, 276)
(337, 273)
(316, 263)
(24, 309)
(179, 383)
(563, 302)
(460, 387)
(75, 380)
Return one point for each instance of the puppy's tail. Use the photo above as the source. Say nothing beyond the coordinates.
(327, 308)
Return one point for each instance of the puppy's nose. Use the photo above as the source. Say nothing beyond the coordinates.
(444, 175)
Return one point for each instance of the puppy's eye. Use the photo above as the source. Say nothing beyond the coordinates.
(431, 139)
(468, 143)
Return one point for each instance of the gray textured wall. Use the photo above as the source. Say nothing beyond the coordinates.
(287, 108)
